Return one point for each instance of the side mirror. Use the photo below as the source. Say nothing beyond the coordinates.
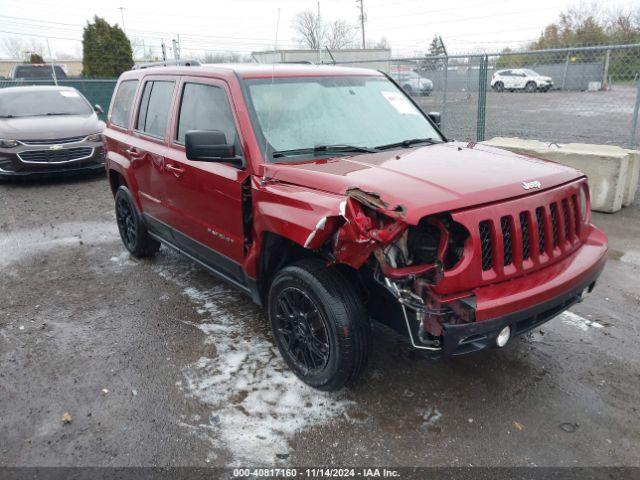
(435, 118)
(210, 146)
(98, 108)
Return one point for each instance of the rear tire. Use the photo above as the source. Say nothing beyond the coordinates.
(498, 87)
(133, 231)
(407, 88)
(319, 324)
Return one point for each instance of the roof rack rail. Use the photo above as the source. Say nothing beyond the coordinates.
(299, 62)
(168, 63)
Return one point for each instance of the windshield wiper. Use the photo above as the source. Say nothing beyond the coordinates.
(323, 149)
(58, 113)
(407, 143)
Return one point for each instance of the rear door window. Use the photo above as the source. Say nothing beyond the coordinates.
(205, 107)
(154, 108)
(123, 103)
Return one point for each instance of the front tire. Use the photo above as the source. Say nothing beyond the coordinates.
(499, 87)
(531, 87)
(319, 324)
(133, 231)
(407, 88)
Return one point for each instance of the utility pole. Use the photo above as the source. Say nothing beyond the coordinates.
(164, 51)
(275, 46)
(122, 16)
(361, 2)
(319, 34)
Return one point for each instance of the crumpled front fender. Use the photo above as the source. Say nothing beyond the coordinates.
(343, 225)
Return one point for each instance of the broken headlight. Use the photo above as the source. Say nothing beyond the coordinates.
(436, 238)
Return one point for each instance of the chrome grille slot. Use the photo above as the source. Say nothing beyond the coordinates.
(55, 156)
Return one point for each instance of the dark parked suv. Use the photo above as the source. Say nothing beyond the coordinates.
(48, 130)
(330, 198)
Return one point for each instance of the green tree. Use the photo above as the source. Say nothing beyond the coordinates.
(106, 50)
(35, 58)
(585, 25)
(436, 49)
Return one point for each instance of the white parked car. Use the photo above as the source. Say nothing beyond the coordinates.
(520, 79)
(413, 83)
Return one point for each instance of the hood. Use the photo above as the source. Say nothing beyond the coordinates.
(430, 179)
(53, 127)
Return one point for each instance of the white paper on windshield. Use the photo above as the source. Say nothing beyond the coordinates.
(69, 93)
(400, 103)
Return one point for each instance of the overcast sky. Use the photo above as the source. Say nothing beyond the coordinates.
(248, 25)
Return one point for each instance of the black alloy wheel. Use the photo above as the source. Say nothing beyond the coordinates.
(133, 231)
(127, 224)
(303, 329)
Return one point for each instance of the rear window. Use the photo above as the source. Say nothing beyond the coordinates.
(154, 108)
(38, 72)
(123, 103)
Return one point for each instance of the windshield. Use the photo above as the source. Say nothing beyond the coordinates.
(30, 103)
(303, 113)
(530, 73)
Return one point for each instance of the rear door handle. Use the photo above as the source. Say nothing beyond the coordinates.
(134, 153)
(177, 171)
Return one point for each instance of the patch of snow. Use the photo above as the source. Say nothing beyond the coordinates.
(632, 257)
(124, 259)
(257, 403)
(19, 244)
(431, 416)
(575, 320)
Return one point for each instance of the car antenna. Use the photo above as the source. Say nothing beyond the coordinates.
(273, 74)
(53, 69)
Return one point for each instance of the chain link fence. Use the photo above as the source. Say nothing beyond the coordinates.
(587, 94)
(96, 91)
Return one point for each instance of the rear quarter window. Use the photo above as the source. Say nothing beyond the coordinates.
(123, 103)
(153, 114)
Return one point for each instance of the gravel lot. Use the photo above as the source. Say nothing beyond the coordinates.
(555, 116)
(158, 363)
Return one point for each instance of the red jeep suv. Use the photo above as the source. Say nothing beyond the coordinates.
(329, 197)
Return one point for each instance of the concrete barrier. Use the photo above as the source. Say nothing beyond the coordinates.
(633, 176)
(612, 171)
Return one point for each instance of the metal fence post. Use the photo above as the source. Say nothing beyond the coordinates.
(634, 119)
(566, 67)
(605, 73)
(482, 98)
(444, 91)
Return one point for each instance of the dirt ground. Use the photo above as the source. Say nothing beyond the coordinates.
(158, 363)
(556, 116)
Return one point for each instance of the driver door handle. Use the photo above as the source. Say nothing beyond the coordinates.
(177, 171)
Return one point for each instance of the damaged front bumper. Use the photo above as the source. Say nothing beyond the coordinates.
(522, 304)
